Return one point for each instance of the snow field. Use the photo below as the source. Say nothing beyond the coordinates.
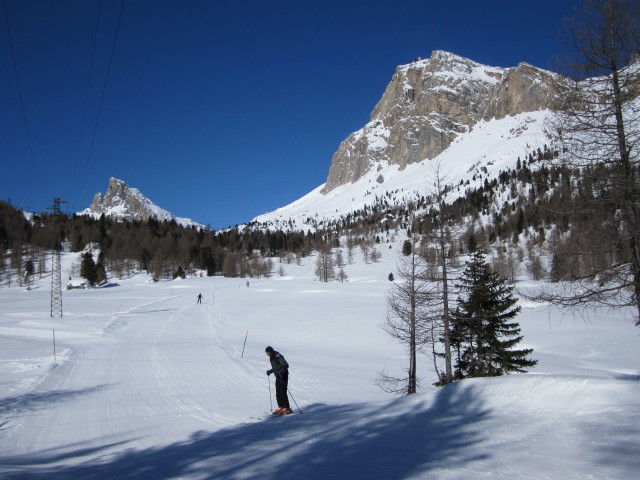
(149, 384)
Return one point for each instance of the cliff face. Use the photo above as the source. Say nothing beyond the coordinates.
(428, 103)
(123, 202)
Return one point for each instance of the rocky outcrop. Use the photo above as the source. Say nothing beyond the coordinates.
(123, 202)
(428, 103)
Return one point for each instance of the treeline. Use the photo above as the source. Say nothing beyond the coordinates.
(160, 248)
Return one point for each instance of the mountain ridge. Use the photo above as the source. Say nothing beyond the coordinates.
(428, 108)
(471, 120)
(429, 103)
(122, 202)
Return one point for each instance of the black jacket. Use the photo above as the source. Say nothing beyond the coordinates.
(279, 365)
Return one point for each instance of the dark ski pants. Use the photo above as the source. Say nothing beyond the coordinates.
(282, 380)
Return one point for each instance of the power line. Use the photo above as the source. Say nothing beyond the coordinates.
(21, 100)
(104, 89)
(83, 121)
(86, 99)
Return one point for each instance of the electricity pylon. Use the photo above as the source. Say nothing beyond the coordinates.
(56, 271)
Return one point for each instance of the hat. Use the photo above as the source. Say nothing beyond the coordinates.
(268, 349)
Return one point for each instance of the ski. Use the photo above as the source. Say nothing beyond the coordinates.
(282, 414)
(274, 415)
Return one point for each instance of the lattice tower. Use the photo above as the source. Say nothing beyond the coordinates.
(56, 271)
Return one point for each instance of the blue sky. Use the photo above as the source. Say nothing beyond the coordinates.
(220, 111)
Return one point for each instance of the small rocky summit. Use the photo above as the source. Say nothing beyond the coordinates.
(428, 103)
(125, 203)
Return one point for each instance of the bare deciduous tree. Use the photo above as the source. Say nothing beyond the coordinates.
(441, 238)
(342, 275)
(406, 321)
(599, 125)
(325, 265)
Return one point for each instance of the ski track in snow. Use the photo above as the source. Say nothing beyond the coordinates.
(149, 384)
(142, 369)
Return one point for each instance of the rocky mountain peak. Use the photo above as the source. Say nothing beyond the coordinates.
(125, 203)
(429, 103)
(117, 194)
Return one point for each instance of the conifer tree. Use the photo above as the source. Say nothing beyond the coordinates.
(407, 248)
(101, 272)
(484, 334)
(29, 270)
(179, 273)
(88, 268)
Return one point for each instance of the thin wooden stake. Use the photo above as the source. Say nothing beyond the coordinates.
(245, 343)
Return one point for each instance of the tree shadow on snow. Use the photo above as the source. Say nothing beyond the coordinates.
(614, 440)
(337, 442)
(38, 400)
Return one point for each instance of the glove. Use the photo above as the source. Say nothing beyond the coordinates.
(269, 372)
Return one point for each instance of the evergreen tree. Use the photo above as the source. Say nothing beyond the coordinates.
(179, 273)
(472, 243)
(407, 248)
(29, 269)
(101, 272)
(484, 334)
(88, 268)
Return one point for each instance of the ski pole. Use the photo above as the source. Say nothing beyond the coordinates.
(270, 401)
(294, 401)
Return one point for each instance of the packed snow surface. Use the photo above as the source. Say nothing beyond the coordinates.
(146, 383)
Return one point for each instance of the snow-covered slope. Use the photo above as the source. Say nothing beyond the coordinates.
(148, 384)
(469, 120)
(430, 103)
(488, 148)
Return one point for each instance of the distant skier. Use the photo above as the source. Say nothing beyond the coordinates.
(199, 298)
(280, 368)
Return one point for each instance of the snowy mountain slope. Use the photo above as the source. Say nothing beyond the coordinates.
(126, 203)
(430, 103)
(471, 120)
(149, 384)
(495, 145)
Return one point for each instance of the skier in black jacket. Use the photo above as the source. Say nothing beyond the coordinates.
(280, 368)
